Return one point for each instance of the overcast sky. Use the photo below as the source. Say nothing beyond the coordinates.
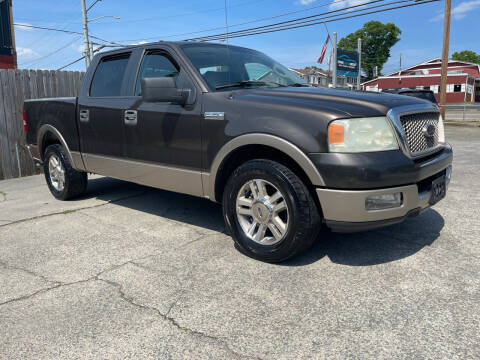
(149, 20)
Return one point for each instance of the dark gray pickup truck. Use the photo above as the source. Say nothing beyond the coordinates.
(234, 126)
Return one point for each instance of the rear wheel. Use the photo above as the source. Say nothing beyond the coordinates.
(269, 211)
(62, 179)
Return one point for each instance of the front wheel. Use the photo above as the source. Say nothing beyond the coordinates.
(269, 211)
(62, 179)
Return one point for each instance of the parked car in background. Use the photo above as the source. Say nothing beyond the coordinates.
(418, 93)
(234, 126)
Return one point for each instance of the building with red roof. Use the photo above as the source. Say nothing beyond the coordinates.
(463, 80)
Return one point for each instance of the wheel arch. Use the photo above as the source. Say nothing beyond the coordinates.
(251, 146)
(48, 135)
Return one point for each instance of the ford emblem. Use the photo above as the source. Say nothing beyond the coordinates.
(428, 130)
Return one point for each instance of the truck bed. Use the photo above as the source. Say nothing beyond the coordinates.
(61, 113)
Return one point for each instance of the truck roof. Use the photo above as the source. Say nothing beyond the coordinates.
(161, 42)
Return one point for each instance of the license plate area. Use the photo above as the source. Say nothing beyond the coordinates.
(439, 189)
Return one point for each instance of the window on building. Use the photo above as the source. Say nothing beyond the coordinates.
(426, 88)
(457, 88)
(108, 77)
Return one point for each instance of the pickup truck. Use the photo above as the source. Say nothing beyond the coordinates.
(234, 126)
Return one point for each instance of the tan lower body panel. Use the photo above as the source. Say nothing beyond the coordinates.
(158, 176)
(349, 205)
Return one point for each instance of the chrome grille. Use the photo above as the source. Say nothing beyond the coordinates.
(413, 126)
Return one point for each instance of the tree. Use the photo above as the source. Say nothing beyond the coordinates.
(314, 68)
(467, 55)
(377, 40)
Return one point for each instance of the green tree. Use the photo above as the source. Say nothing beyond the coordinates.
(377, 40)
(467, 55)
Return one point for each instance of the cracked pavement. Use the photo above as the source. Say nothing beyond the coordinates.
(133, 272)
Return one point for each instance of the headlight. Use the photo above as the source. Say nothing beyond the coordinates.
(441, 130)
(361, 135)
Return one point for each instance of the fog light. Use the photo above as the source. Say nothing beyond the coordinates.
(448, 175)
(385, 201)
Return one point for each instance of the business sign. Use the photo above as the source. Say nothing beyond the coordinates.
(347, 63)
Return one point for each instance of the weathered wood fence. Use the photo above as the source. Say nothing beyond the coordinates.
(15, 86)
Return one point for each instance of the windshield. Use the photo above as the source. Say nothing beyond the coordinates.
(226, 68)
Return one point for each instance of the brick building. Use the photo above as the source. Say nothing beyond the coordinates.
(463, 80)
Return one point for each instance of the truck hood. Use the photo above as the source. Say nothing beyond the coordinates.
(350, 103)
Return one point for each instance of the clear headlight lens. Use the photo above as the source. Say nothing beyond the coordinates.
(361, 135)
(441, 130)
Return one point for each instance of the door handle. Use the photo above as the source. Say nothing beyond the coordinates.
(130, 117)
(84, 116)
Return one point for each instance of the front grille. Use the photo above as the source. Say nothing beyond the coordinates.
(413, 125)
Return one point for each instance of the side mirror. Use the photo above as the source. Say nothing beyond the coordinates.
(163, 89)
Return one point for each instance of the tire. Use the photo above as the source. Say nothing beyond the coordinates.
(302, 218)
(74, 182)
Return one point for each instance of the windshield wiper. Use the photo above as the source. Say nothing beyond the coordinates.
(241, 84)
(299, 85)
(291, 85)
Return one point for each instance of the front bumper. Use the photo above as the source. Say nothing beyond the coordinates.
(345, 210)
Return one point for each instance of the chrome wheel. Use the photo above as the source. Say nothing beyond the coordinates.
(56, 172)
(262, 212)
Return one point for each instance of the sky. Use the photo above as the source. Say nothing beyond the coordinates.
(151, 20)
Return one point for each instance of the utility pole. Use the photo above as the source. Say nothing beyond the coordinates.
(445, 50)
(359, 77)
(86, 40)
(334, 71)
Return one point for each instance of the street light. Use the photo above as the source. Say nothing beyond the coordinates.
(86, 40)
(103, 17)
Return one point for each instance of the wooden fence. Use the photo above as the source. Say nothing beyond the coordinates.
(15, 86)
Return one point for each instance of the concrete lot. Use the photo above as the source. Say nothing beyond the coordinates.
(134, 272)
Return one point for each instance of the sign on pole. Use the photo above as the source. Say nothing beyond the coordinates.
(347, 63)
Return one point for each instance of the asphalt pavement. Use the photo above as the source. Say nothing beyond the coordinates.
(130, 272)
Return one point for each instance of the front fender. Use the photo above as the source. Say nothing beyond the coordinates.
(293, 151)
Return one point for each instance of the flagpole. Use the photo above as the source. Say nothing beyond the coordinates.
(359, 78)
(334, 75)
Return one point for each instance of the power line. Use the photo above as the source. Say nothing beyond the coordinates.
(250, 32)
(243, 3)
(294, 24)
(236, 25)
(66, 32)
(50, 54)
(297, 20)
(81, 58)
(73, 62)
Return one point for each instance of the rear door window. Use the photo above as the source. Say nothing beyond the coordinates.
(109, 75)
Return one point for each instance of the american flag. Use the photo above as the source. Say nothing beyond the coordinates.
(324, 50)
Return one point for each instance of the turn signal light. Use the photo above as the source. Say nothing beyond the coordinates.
(25, 125)
(335, 134)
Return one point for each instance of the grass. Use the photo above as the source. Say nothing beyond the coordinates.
(66, 212)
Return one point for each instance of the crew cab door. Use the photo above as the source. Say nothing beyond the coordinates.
(163, 139)
(101, 115)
